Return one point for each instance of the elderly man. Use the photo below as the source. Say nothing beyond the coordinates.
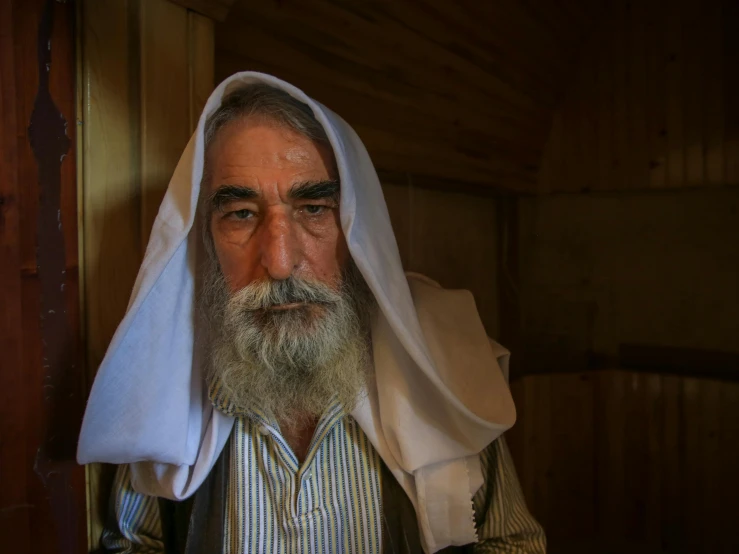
(278, 384)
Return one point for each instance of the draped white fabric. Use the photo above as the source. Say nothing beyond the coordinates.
(439, 396)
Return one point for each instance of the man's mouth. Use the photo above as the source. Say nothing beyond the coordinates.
(290, 306)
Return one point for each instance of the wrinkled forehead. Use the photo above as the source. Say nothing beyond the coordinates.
(262, 126)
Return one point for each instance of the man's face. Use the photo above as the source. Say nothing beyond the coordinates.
(274, 206)
(287, 305)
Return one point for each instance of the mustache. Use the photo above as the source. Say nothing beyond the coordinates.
(267, 293)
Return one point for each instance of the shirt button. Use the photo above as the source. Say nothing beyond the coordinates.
(263, 430)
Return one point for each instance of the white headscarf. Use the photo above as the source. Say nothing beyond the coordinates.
(439, 395)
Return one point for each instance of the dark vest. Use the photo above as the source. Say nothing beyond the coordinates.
(195, 525)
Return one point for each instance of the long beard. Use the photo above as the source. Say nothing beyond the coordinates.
(291, 363)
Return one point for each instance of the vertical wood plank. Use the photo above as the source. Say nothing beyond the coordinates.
(165, 110)
(694, 101)
(202, 53)
(111, 218)
(620, 156)
(728, 500)
(675, 95)
(111, 187)
(611, 477)
(592, 132)
(16, 523)
(514, 436)
(398, 200)
(572, 478)
(639, 151)
(656, 108)
(509, 281)
(731, 88)
(694, 465)
(147, 70)
(604, 119)
(673, 463)
(636, 460)
(538, 441)
(714, 107)
(567, 139)
(711, 451)
(454, 242)
(552, 176)
(654, 456)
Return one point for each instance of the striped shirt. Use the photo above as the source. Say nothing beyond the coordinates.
(329, 503)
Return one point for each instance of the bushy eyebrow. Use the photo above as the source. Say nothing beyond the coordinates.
(228, 193)
(316, 190)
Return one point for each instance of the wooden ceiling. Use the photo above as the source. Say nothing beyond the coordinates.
(455, 91)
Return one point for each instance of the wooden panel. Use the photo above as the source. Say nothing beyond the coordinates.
(715, 108)
(450, 237)
(647, 471)
(453, 240)
(202, 51)
(398, 199)
(656, 106)
(111, 169)
(41, 374)
(165, 102)
(432, 89)
(730, 58)
(15, 524)
(147, 71)
(531, 440)
(111, 217)
(602, 270)
(663, 114)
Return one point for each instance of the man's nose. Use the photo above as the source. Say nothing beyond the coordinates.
(279, 246)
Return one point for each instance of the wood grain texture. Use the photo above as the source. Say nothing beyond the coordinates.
(147, 71)
(111, 168)
(15, 524)
(449, 237)
(619, 461)
(41, 377)
(599, 271)
(453, 240)
(433, 89)
(653, 90)
(165, 102)
(200, 42)
(111, 189)
(398, 200)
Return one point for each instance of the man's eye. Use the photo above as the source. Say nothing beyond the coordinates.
(314, 209)
(240, 214)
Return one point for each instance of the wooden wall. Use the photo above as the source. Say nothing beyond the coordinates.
(146, 73)
(636, 460)
(653, 102)
(451, 237)
(458, 91)
(618, 461)
(631, 240)
(42, 382)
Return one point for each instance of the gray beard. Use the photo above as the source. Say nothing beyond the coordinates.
(289, 364)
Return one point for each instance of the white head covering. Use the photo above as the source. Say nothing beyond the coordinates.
(439, 395)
